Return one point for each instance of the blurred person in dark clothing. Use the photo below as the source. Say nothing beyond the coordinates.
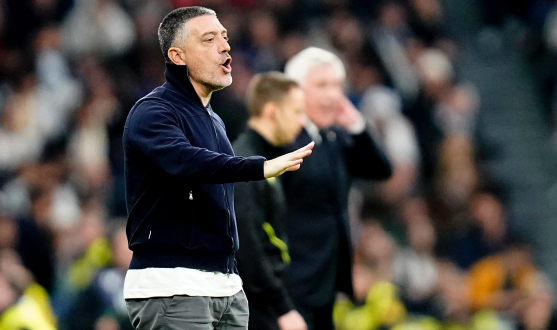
(276, 107)
(34, 239)
(427, 21)
(102, 302)
(318, 229)
(486, 233)
(436, 74)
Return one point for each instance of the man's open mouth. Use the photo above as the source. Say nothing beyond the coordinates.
(226, 65)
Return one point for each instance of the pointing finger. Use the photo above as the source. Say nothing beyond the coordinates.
(300, 154)
(308, 146)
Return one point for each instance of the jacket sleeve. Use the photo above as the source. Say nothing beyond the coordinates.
(254, 265)
(366, 158)
(153, 130)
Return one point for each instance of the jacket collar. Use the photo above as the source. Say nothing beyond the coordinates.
(313, 131)
(177, 76)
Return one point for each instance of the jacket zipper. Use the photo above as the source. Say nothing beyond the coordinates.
(225, 197)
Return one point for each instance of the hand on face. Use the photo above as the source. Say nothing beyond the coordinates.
(347, 114)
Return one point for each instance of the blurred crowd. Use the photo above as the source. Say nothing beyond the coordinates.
(433, 246)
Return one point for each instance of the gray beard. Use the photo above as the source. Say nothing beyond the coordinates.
(208, 84)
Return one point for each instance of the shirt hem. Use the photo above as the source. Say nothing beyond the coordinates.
(142, 294)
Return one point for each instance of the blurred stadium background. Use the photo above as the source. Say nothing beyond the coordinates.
(463, 94)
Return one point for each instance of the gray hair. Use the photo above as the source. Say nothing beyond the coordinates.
(298, 66)
(173, 23)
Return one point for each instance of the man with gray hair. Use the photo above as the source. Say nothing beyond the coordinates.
(179, 170)
(317, 195)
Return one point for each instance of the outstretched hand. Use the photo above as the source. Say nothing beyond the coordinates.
(287, 162)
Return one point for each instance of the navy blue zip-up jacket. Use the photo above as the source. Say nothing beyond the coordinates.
(179, 170)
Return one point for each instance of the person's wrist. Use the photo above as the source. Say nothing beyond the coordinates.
(265, 169)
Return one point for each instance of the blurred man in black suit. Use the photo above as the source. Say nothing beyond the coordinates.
(317, 195)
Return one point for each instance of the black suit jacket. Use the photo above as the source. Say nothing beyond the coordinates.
(318, 228)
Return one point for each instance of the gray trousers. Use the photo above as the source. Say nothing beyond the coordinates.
(189, 313)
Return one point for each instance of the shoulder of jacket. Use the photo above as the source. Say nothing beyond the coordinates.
(164, 105)
(142, 108)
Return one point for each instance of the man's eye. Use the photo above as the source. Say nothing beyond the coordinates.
(210, 39)
(226, 38)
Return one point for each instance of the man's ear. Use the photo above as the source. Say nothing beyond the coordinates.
(269, 110)
(177, 56)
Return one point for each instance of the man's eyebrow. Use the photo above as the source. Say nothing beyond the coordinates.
(214, 33)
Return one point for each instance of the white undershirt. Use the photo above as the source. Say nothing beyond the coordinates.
(168, 282)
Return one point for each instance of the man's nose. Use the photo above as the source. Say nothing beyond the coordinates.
(225, 46)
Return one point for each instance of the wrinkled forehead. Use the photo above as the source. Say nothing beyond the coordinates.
(203, 25)
(323, 72)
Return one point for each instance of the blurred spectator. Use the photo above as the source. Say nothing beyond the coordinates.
(317, 194)
(82, 250)
(376, 251)
(372, 275)
(510, 282)
(23, 303)
(426, 20)
(89, 143)
(453, 303)
(415, 267)
(388, 37)
(456, 178)
(453, 300)
(21, 134)
(24, 18)
(503, 280)
(99, 27)
(346, 33)
(484, 234)
(455, 114)
(34, 241)
(147, 16)
(101, 304)
(262, 56)
(382, 309)
(91, 244)
(436, 72)
(383, 108)
(60, 92)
